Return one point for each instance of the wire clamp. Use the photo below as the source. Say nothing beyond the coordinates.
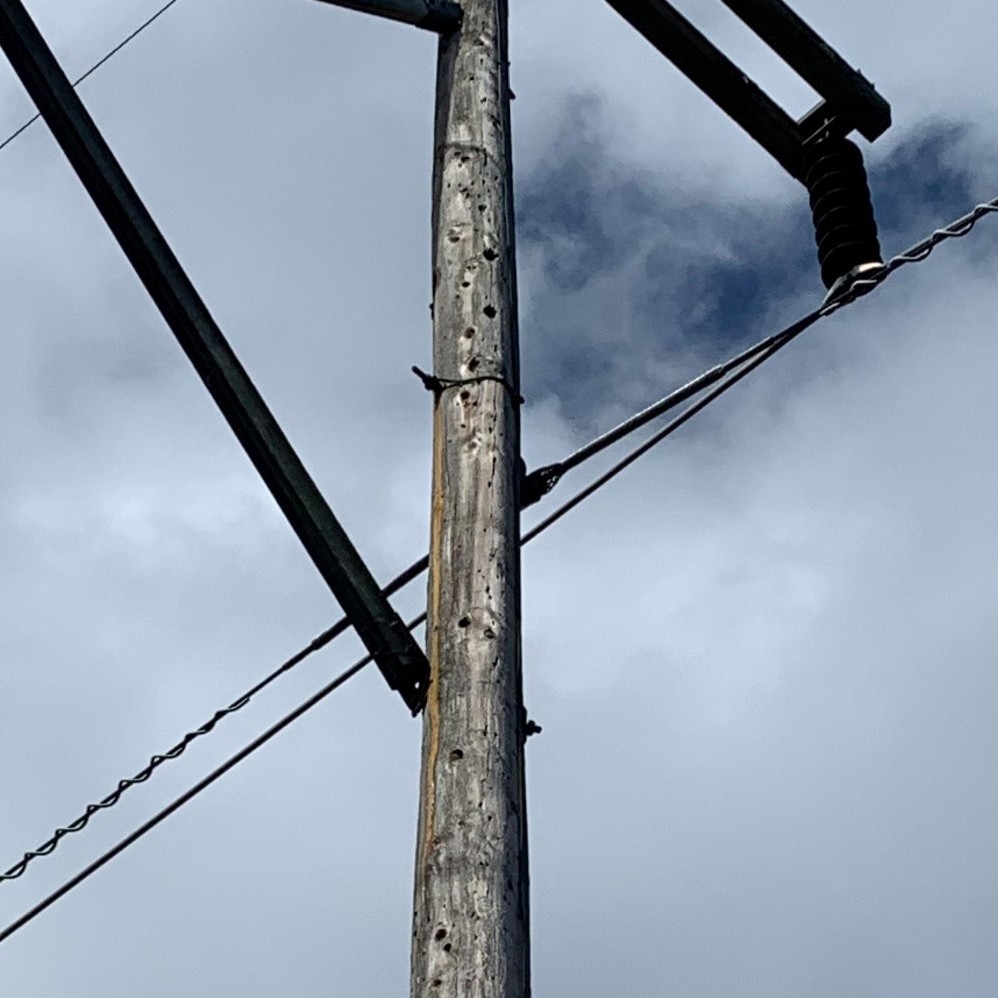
(528, 727)
(439, 385)
(862, 279)
(536, 485)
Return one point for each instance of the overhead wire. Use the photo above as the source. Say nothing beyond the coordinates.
(360, 664)
(684, 417)
(97, 65)
(190, 794)
(866, 282)
(706, 379)
(756, 356)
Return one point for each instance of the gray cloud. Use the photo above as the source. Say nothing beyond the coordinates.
(763, 663)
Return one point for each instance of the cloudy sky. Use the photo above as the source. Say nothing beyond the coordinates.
(764, 660)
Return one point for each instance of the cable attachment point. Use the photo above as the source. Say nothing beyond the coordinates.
(845, 284)
(845, 229)
(539, 483)
(438, 385)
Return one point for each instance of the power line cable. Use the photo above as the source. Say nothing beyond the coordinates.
(864, 283)
(838, 298)
(320, 641)
(97, 65)
(685, 416)
(343, 624)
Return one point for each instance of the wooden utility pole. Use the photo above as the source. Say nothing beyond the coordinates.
(471, 923)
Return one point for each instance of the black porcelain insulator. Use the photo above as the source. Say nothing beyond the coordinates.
(845, 230)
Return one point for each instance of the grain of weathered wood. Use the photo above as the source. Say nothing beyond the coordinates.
(471, 925)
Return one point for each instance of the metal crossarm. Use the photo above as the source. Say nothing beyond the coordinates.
(846, 91)
(386, 637)
(718, 77)
(433, 15)
(850, 100)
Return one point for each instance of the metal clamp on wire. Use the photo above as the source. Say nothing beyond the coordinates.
(845, 229)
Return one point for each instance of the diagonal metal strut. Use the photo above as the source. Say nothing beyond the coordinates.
(386, 637)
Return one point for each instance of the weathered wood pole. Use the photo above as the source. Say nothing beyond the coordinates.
(471, 920)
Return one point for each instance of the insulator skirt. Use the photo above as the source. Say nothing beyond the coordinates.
(845, 230)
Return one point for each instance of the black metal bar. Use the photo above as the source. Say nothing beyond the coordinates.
(433, 15)
(718, 77)
(384, 634)
(822, 120)
(844, 88)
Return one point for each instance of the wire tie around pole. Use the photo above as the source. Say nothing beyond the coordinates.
(439, 385)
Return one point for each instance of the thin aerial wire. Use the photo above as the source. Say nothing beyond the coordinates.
(866, 282)
(680, 395)
(97, 65)
(320, 641)
(190, 794)
(837, 299)
(859, 287)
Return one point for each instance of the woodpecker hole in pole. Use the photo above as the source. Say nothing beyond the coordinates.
(845, 229)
